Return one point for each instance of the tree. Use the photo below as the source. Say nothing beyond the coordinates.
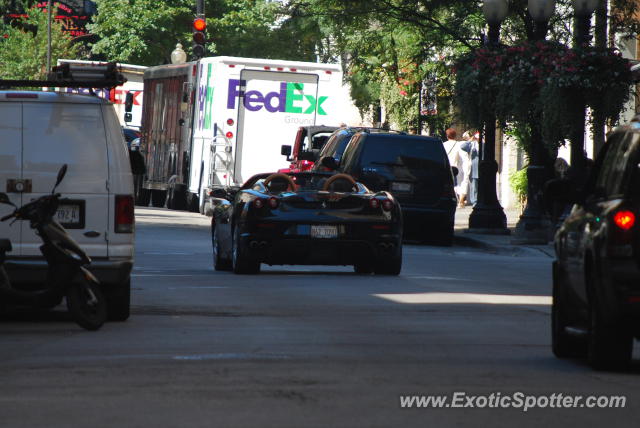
(140, 31)
(23, 51)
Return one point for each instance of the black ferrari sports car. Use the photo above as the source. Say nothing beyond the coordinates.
(306, 218)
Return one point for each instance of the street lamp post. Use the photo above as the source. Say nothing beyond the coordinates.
(583, 10)
(487, 215)
(534, 226)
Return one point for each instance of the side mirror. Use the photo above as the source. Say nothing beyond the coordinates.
(454, 170)
(61, 173)
(4, 199)
(219, 193)
(329, 163)
(307, 156)
(128, 102)
(128, 105)
(285, 151)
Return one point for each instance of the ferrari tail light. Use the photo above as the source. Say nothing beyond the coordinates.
(387, 205)
(258, 203)
(374, 203)
(624, 219)
(273, 203)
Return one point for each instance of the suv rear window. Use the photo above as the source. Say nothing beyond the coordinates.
(404, 150)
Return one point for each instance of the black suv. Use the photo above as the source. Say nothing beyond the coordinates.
(414, 169)
(596, 275)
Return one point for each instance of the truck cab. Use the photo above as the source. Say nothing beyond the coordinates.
(306, 148)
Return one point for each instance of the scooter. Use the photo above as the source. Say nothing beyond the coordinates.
(67, 275)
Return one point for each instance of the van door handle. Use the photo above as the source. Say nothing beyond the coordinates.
(91, 234)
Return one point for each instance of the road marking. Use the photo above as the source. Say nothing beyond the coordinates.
(440, 278)
(230, 356)
(166, 274)
(182, 288)
(462, 298)
(168, 253)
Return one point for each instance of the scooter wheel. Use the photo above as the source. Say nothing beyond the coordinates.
(87, 305)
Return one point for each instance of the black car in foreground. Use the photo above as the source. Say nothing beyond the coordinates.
(306, 218)
(414, 168)
(596, 275)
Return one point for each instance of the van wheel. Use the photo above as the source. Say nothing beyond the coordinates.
(158, 198)
(118, 301)
(177, 199)
(143, 198)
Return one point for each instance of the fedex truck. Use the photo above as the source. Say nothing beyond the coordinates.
(218, 121)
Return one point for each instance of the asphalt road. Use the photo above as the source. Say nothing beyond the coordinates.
(302, 346)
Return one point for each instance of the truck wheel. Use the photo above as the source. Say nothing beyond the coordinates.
(143, 198)
(242, 262)
(118, 301)
(193, 202)
(158, 198)
(563, 345)
(176, 199)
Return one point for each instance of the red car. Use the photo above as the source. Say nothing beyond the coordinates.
(309, 141)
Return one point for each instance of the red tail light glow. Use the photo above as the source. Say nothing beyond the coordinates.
(124, 214)
(624, 219)
(258, 203)
(374, 203)
(229, 134)
(230, 122)
(273, 203)
(387, 205)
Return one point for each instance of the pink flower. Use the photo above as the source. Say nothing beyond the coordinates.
(403, 93)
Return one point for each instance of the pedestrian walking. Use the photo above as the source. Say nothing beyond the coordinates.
(456, 159)
(472, 148)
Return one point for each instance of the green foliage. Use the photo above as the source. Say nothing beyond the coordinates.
(23, 53)
(140, 31)
(541, 79)
(518, 183)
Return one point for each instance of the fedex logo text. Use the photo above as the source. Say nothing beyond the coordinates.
(290, 99)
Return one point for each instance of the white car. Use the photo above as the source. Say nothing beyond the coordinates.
(40, 131)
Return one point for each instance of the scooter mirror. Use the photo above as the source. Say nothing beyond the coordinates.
(61, 174)
(4, 199)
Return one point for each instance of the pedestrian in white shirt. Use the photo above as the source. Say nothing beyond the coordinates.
(457, 158)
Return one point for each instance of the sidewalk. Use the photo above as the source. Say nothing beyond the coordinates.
(494, 243)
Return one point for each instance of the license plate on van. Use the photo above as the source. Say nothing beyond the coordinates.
(401, 187)
(70, 215)
(324, 232)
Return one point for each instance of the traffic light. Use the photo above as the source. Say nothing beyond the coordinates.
(199, 38)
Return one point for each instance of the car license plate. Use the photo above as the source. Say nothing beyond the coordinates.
(68, 215)
(324, 232)
(401, 187)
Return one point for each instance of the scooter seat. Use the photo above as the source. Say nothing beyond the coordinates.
(5, 245)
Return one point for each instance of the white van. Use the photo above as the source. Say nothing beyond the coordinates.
(39, 132)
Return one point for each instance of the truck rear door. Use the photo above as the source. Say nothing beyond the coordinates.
(273, 106)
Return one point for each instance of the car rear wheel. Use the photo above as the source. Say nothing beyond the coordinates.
(389, 265)
(563, 345)
(362, 268)
(242, 262)
(610, 344)
(219, 263)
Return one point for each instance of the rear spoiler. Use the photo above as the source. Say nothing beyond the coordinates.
(105, 75)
